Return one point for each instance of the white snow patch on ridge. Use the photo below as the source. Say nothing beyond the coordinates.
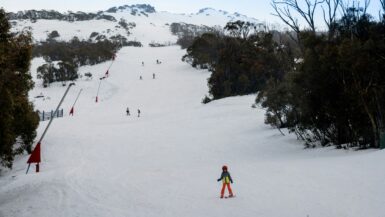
(156, 22)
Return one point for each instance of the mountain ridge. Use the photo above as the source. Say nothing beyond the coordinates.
(113, 22)
(135, 10)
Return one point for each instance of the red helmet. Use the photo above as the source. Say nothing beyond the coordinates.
(224, 167)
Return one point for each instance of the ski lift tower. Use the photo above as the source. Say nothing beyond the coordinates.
(35, 155)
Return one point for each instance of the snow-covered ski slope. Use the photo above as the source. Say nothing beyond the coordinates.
(101, 162)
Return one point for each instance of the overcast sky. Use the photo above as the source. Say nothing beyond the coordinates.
(259, 9)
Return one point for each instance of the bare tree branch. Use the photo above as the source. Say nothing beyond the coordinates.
(366, 5)
(330, 13)
(383, 6)
(285, 15)
(354, 7)
(282, 9)
(344, 5)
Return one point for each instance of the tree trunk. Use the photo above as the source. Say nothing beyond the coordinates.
(372, 122)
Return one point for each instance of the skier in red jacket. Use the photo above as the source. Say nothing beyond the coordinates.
(226, 180)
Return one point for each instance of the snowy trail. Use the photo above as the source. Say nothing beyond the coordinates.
(165, 163)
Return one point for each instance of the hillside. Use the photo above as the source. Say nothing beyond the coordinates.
(102, 162)
(145, 18)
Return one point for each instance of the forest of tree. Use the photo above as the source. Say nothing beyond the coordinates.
(18, 121)
(328, 87)
(63, 58)
(241, 61)
(188, 32)
(70, 55)
(35, 15)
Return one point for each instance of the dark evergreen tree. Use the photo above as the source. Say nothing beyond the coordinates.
(54, 34)
(17, 118)
(241, 63)
(335, 94)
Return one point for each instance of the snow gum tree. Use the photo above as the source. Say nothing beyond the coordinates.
(241, 62)
(18, 121)
(335, 94)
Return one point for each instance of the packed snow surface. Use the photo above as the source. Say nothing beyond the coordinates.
(101, 162)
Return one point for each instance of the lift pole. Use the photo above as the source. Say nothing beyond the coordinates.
(35, 155)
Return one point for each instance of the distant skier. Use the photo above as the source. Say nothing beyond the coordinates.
(226, 180)
(138, 112)
(140, 77)
(153, 75)
(128, 111)
(142, 63)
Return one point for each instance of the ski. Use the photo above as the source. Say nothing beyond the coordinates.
(227, 197)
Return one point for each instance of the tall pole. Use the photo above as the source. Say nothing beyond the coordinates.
(97, 93)
(112, 62)
(77, 97)
(57, 108)
(36, 151)
(72, 108)
(105, 75)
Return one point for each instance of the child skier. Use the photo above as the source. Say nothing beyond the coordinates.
(226, 180)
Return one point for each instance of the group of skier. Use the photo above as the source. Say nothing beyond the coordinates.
(157, 62)
(153, 74)
(128, 112)
(141, 78)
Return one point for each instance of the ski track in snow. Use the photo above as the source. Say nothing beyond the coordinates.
(101, 162)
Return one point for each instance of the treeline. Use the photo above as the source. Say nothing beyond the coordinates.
(188, 32)
(18, 121)
(80, 52)
(335, 94)
(137, 9)
(240, 62)
(62, 71)
(69, 56)
(35, 15)
(328, 89)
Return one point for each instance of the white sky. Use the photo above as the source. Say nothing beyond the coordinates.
(259, 9)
